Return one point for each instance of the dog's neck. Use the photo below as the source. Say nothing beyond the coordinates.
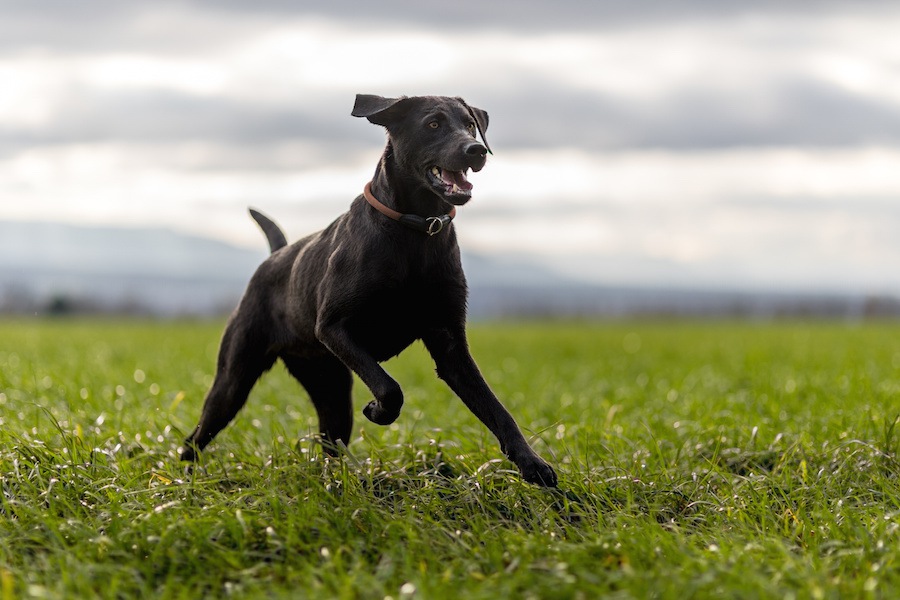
(432, 225)
(398, 193)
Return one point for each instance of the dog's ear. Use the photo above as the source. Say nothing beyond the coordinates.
(377, 109)
(481, 121)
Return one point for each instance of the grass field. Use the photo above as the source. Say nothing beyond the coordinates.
(696, 459)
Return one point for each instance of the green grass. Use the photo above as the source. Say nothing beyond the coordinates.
(696, 459)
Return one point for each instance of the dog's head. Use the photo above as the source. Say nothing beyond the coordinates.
(433, 138)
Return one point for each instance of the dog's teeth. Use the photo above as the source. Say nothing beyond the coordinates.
(436, 171)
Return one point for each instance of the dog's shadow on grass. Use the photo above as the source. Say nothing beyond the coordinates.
(441, 484)
(436, 483)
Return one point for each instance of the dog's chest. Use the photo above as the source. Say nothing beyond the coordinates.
(391, 318)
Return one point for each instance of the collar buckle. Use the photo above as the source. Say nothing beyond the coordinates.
(435, 225)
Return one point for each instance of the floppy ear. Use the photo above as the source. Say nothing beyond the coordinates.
(377, 109)
(481, 121)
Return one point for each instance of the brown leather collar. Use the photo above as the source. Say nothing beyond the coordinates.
(429, 225)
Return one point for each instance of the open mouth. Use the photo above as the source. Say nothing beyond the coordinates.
(453, 183)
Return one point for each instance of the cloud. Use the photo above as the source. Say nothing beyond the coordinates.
(136, 23)
(765, 81)
(158, 116)
(651, 141)
(783, 218)
(690, 179)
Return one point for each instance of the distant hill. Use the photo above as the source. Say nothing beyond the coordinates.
(148, 270)
(57, 268)
(159, 271)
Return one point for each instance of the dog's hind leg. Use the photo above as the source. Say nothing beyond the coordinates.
(243, 357)
(328, 382)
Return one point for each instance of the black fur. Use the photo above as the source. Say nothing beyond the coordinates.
(366, 287)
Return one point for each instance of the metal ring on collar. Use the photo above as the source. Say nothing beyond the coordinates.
(435, 225)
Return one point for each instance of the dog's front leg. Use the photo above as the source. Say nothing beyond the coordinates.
(456, 366)
(385, 408)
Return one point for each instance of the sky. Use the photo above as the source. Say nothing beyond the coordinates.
(694, 144)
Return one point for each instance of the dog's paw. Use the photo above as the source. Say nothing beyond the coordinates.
(537, 471)
(188, 454)
(378, 415)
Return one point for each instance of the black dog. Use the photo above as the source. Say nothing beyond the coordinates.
(383, 275)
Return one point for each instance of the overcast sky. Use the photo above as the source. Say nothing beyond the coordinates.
(724, 144)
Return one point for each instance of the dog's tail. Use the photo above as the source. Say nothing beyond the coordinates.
(273, 232)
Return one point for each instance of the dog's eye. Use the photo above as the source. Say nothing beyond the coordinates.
(434, 124)
(472, 127)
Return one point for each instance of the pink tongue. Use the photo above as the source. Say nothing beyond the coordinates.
(457, 177)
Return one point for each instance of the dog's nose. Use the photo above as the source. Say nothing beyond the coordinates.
(476, 149)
